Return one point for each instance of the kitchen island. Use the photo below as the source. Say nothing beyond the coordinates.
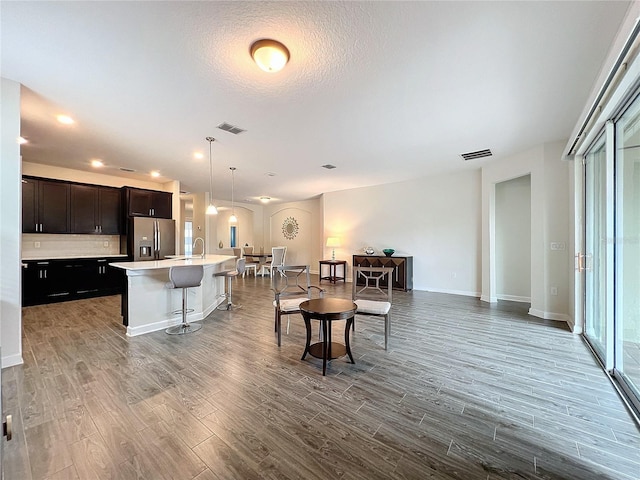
(147, 303)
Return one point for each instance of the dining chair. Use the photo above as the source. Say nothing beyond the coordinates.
(251, 263)
(374, 297)
(278, 255)
(291, 287)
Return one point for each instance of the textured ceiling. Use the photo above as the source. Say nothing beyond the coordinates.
(386, 91)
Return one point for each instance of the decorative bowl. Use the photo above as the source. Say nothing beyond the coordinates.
(369, 250)
(388, 251)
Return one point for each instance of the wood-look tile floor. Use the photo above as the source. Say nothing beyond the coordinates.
(466, 391)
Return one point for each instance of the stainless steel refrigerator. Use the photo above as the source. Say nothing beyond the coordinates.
(151, 238)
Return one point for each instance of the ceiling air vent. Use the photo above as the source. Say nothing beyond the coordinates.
(328, 166)
(130, 170)
(227, 127)
(476, 155)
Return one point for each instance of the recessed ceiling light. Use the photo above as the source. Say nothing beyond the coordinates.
(198, 155)
(97, 163)
(265, 199)
(65, 119)
(155, 173)
(271, 174)
(328, 166)
(22, 140)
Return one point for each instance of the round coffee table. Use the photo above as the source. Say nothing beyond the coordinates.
(328, 310)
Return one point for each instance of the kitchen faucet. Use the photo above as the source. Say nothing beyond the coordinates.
(196, 241)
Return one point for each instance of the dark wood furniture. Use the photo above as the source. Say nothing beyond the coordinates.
(328, 310)
(333, 270)
(59, 280)
(95, 209)
(45, 206)
(147, 203)
(56, 206)
(402, 268)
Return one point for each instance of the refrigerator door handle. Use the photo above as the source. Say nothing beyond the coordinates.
(156, 225)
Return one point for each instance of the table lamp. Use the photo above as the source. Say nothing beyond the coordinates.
(333, 242)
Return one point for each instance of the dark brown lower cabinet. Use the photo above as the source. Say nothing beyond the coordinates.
(51, 281)
(402, 268)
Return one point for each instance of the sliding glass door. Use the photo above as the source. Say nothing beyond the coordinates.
(627, 252)
(611, 261)
(593, 262)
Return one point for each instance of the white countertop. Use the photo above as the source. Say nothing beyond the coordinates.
(174, 262)
(70, 257)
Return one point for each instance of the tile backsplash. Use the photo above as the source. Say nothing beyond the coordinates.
(42, 245)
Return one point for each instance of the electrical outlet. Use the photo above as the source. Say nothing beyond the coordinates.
(557, 246)
(554, 291)
(36, 244)
(105, 243)
(454, 275)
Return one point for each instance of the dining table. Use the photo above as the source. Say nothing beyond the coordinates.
(262, 260)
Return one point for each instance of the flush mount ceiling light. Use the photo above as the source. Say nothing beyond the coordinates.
(270, 55)
(211, 209)
(265, 199)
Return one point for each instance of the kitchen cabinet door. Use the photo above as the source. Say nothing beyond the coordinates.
(84, 202)
(53, 206)
(161, 204)
(30, 222)
(109, 211)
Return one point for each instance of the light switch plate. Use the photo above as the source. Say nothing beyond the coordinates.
(36, 244)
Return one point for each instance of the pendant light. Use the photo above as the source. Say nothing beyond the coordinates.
(232, 218)
(211, 209)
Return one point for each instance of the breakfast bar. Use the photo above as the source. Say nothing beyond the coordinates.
(147, 304)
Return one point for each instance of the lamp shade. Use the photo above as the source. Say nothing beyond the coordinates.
(333, 242)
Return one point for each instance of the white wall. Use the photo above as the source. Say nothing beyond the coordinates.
(513, 239)
(10, 225)
(434, 219)
(306, 247)
(550, 218)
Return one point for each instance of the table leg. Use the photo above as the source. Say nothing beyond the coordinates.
(307, 324)
(326, 347)
(346, 339)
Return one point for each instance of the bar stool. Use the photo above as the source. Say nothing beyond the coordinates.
(184, 277)
(240, 266)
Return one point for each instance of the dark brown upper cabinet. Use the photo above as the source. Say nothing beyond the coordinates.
(45, 206)
(95, 209)
(147, 203)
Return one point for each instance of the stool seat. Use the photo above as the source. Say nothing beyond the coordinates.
(184, 277)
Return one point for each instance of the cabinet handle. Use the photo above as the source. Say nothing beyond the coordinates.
(36, 227)
(45, 274)
(7, 427)
(100, 228)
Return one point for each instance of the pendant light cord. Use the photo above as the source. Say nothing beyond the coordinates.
(210, 140)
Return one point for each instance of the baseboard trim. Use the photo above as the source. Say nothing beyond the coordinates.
(560, 317)
(514, 298)
(12, 360)
(488, 299)
(452, 292)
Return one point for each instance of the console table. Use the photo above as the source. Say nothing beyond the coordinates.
(402, 275)
(333, 267)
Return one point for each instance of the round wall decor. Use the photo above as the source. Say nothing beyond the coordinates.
(290, 228)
